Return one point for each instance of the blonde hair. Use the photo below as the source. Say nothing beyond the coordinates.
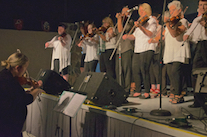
(147, 8)
(108, 20)
(15, 59)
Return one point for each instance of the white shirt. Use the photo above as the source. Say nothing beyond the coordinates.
(111, 43)
(141, 39)
(91, 49)
(196, 31)
(61, 52)
(174, 51)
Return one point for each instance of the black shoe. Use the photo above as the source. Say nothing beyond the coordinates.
(194, 106)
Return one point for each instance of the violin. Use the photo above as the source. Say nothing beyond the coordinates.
(63, 35)
(174, 20)
(103, 29)
(28, 81)
(90, 35)
(204, 17)
(87, 35)
(143, 20)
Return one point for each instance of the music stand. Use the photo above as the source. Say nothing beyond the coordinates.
(69, 104)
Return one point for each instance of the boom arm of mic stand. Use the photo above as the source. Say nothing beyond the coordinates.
(74, 38)
(117, 43)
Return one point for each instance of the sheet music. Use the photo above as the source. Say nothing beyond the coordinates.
(74, 105)
(64, 100)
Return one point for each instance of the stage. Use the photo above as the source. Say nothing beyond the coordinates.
(94, 121)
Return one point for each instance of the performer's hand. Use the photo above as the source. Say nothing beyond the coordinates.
(185, 37)
(118, 15)
(79, 44)
(150, 41)
(40, 83)
(189, 25)
(124, 37)
(35, 92)
(81, 37)
(60, 38)
(166, 19)
(136, 23)
(46, 44)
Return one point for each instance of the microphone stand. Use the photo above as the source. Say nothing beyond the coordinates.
(160, 111)
(119, 49)
(121, 34)
(74, 37)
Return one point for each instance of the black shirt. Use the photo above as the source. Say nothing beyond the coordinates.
(13, 105)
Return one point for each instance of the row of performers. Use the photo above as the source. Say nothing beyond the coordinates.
(137, 52)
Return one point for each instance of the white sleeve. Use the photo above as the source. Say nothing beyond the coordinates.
(68, 41)
(51, 42)
(192, 27)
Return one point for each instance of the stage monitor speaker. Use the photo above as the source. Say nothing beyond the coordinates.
(53, 83)
(101, 88)
(201, 81)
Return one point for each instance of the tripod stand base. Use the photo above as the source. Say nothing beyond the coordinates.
(158, 112)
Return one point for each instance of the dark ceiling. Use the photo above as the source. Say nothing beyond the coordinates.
(33, 12)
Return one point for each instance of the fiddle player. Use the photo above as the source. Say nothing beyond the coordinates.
(176, 52)
(126, 51)
(61, 56)
(107, 42)
(83, 29)
(143, 51)
(13, 98)
(91, 43)
(197, 33)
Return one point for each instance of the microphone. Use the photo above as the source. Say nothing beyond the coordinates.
(79, 22)
(133, 9)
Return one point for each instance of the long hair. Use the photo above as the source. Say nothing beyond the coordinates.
(15, 59)
(109, 20)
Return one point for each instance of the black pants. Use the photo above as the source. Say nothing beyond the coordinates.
(154, 69)
(165, 81)
(107, 65)
(174, 71)
(126, 69)
(57, 66)
(200, 61)
(140, 69)
(90, 66)
(200, 58)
